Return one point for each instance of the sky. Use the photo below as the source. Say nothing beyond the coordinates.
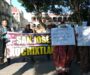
(27, 15)
(18, 5)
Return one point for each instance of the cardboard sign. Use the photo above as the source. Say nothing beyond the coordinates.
(62, 36)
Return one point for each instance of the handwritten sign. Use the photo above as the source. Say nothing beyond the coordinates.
(62, 36)
(83, 38)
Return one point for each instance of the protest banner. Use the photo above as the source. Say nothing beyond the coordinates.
(62, 36)
(28, 44)
(83, 38)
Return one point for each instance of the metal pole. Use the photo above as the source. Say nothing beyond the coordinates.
(11, 12)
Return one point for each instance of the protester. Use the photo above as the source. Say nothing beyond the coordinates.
(40, 29)
(84, 59)
(4, 38)
(49, 27)
(28, 29)
(62, 57)
(34, 27)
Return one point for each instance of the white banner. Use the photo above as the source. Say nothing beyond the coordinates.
(62, 36)
(28, 44)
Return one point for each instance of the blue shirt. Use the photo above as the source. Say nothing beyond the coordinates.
(4, 31)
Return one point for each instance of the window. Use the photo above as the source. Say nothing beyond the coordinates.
(69, 18)
(59, 19)
(54, 19)
(65, 19)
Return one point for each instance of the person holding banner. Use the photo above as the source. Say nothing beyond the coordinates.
(28, 30)
(4, 38)
(40, 29)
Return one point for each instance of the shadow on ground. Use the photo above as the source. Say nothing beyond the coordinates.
(42, 66)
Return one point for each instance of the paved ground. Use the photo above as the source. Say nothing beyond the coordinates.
(42, 66)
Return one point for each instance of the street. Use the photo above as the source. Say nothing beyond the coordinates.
(42, 66)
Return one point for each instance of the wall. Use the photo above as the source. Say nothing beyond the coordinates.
(4, 11)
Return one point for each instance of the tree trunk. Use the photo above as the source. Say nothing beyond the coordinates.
(75, 5)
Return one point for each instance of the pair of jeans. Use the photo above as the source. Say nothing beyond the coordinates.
(2, 47)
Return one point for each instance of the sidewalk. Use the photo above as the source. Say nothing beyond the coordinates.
(41, 67)
(28, 68)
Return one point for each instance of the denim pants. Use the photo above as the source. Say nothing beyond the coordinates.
(2, 47)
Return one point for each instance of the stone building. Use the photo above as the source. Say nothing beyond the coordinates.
(5, 12)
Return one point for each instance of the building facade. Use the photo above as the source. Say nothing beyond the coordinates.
(51, 18)
(19, 21)
(5, 12)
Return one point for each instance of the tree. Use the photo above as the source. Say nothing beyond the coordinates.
(39, 6)
(79, 8)
(45, 5)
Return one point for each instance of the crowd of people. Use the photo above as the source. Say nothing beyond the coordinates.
(28, 29)
(62, 55)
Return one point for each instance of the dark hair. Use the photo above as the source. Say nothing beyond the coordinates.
(28, 25)
(4, 20)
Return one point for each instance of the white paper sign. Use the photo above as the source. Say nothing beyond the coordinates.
(62, 36)
(83, 38)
